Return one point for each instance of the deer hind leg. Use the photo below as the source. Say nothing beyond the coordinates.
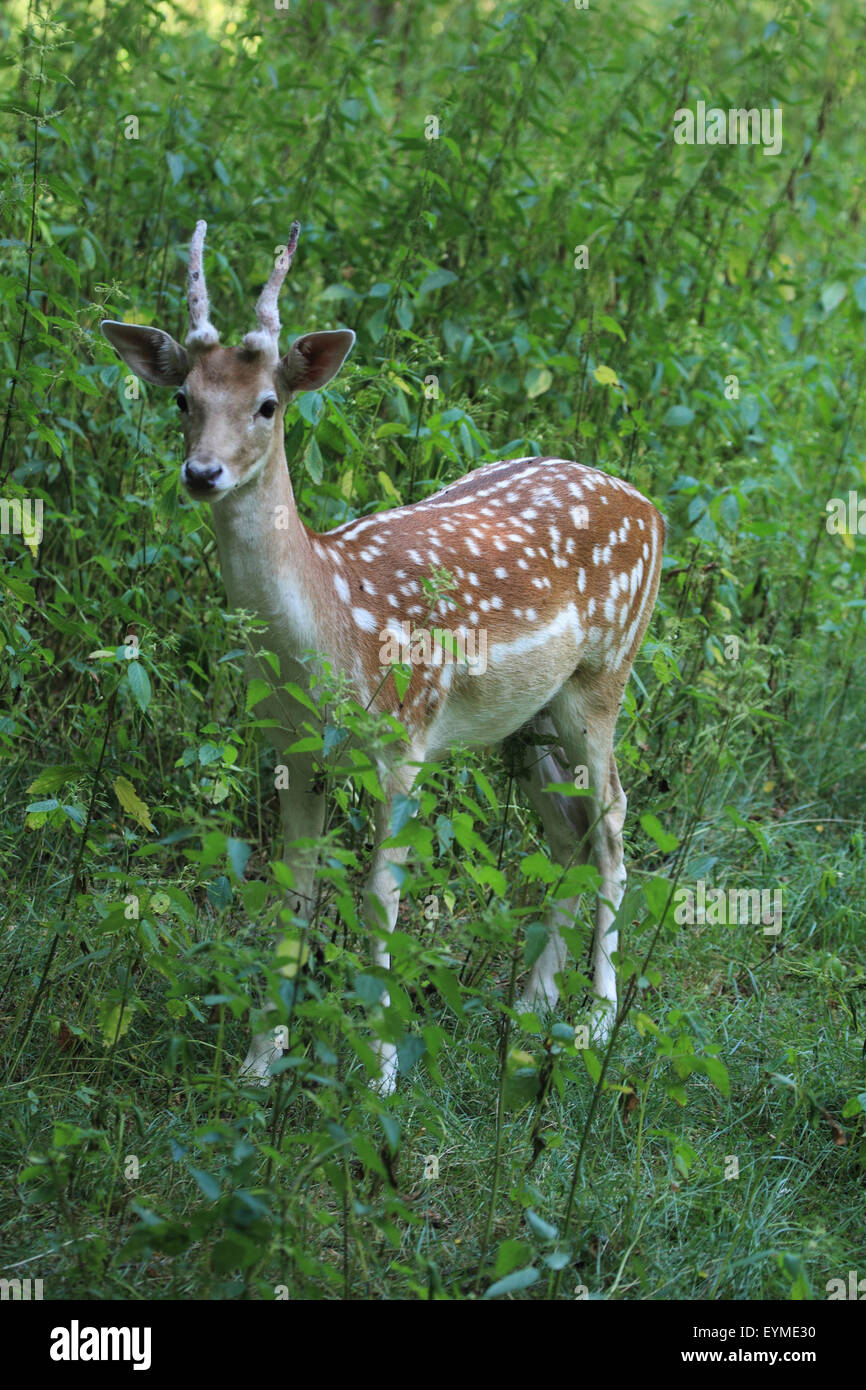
(302, 813)
(381, 901)
(565, 825)
(584, 715)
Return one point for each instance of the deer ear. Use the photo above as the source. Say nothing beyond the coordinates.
(313, 360)
(152, 354)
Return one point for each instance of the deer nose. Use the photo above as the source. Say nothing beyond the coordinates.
(201, 474)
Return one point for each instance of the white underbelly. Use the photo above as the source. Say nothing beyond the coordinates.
(515, 685)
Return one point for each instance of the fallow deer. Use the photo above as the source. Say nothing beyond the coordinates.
(556, 563)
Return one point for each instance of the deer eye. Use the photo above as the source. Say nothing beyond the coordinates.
(267, 408)
(181, 402)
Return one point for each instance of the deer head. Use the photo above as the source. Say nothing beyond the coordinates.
(232, 400)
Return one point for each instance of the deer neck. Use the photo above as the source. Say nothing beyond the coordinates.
(267, 559)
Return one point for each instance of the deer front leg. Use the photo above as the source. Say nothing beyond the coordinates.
(381, 900)
(302, 812)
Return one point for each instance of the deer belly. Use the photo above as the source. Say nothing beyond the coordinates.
(518, 679)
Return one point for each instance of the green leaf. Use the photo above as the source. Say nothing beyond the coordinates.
(292, 955)
(488, 876)
(538, 865)
(448, 986)
(410, 1050)
(606, 376)
(402, 674)
(139, 684)
(510, 1254)
(468, 838)
(402, 811)
(716, 1071)
(294, 440)
(210, 753)
(376, 325)
(336, 292)
(310, 406)
(114, 1021)
(656, 831)
(302, 696)
(513, 1283)
(483, 784)
(662, 667)
(436, 280)
(415, 836)
(132, 802)
(611, 326)
(557, 1259)
(832, 295)
(313, 461)
(257, 691)
(538, 380)
(51, 779)
(311, 744)
(542, 1229)
(537, 937)
(254, 894)
(592, 1064)
(22, 591)
(657, 892)
(386, 484)
(678, 416)
(238, 854)
(208, 1184)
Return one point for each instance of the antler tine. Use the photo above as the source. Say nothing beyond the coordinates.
(201, 331)
(266, 337)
